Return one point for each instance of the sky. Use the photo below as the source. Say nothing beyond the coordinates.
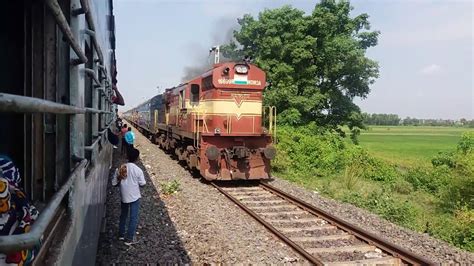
(425, 49)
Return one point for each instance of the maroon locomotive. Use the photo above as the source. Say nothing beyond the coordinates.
(215, 122)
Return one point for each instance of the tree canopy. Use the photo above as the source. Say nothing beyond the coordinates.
(316, 63)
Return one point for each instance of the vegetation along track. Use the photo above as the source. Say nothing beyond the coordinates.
(315, 234)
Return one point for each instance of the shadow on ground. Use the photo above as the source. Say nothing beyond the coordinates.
(158, 240)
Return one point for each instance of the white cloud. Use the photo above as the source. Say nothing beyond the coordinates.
(430, 69)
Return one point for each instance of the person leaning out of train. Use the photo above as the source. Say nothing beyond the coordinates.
(130, 178)
(117, 97)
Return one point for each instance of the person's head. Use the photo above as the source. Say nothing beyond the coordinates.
(129, 129)
(133, 154)
(124, 126)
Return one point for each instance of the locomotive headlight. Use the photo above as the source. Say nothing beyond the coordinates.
(217, 130)
(269, 152)
(212, 153)
(241, 69)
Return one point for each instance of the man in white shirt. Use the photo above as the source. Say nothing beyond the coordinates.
(130, 178)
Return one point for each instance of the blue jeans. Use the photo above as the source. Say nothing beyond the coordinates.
(132, 224)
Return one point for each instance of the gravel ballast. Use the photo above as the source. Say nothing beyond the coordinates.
(199, 225)
(195, 225)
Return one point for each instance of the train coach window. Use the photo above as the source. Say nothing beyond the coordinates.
(194, 93)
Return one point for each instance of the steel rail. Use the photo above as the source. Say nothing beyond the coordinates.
(394, 250)
(33, 238)
(275, 231)
(66, 30)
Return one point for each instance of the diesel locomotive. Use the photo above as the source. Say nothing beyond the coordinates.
(215, 122)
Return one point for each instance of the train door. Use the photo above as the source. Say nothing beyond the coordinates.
(181, 110)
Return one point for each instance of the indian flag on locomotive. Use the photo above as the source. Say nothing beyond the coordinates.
(240, 79)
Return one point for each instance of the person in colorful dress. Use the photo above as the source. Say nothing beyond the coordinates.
(16, 213)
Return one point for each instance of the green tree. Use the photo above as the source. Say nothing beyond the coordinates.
(315, 63)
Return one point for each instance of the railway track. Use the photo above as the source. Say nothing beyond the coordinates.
(315, 234)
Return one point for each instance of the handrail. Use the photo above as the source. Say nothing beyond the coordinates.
(33, 238)
(92, 146)
(97, 140)
(97, 111)
(90, 20)
(66, 30)
(22, 104)
(92, 74)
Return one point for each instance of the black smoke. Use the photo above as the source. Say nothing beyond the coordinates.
(200, 58)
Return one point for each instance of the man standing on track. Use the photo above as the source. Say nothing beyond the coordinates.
(130, 178)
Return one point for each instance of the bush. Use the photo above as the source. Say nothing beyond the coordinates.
(402, 186)
(458, 231)
(383, 204)
(351, 176)
(466, 144)
(371, 168)
(170, 187)
(429, 179)
(444, 158)
(460, 192)
(308, 151)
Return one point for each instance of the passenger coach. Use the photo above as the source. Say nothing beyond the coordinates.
(56, 84)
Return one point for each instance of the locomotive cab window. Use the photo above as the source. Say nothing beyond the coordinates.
(194, 94)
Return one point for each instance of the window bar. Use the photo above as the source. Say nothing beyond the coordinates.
(22, 104)
(92, 146)
(90, 20)
(96, 111)
(66, 30)
(92, 74)
(10, 103)
(33, 238)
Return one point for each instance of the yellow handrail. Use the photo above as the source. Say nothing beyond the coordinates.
(270, 111)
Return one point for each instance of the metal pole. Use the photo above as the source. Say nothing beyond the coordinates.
(92, 74)
(76, 88)
(22, 104)
(90, 20)
(64, 26)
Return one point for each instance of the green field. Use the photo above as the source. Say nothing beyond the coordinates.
(409, 145)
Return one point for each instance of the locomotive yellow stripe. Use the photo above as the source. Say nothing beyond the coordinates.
(226, 107)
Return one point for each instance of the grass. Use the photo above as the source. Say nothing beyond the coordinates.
(412, 193)
(409, 145)
(170, 187)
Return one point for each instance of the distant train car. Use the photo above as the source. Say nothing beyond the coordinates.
(215, 122)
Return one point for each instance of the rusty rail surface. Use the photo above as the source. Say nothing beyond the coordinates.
(396, 251)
